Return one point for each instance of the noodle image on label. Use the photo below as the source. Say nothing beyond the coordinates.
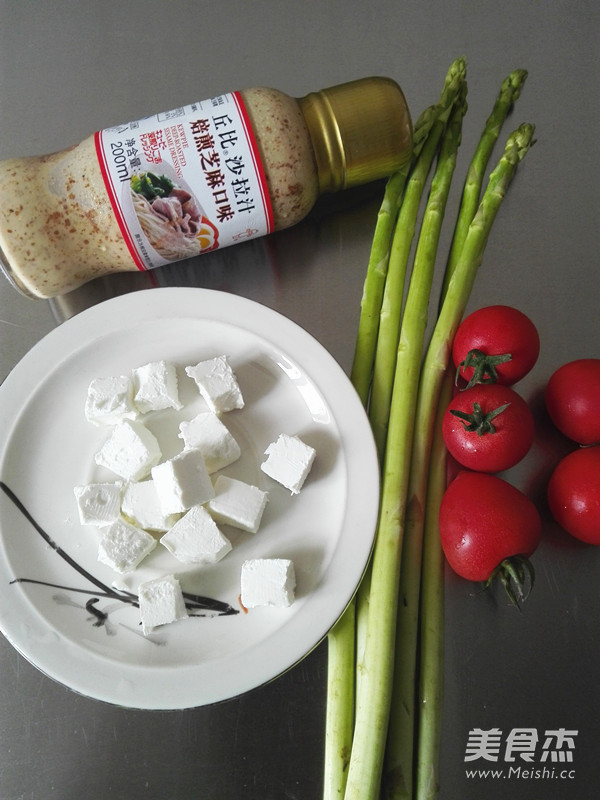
(186, 181)
(171, 217)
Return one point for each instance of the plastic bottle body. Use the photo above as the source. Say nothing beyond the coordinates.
(58, 226)
(287, 154)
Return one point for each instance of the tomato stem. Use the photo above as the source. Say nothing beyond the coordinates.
(478, 422)
(484, 366)
(517, 576)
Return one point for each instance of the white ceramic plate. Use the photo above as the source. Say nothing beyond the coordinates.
(63, 610)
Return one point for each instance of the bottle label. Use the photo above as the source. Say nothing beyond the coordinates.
(186, 181)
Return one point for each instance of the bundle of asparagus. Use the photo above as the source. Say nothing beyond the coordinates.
(383, 695)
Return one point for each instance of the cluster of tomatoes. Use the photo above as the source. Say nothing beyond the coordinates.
(488, 527)
(573, 403)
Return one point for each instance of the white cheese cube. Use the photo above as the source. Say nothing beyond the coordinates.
(237, 503)
(268, 582)
(130, 451)
(98, 503)
(161, 602)
(207, 433)
(110, 400)
(289, 462)
(123, 546)
(155, 387)
(182, 482)
(141, 506)
(217, 384)
(196, 538)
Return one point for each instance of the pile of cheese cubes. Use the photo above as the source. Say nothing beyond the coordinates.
(175, 502)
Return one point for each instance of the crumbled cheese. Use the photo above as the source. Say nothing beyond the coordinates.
(130, 451)
(268, 582)
(141, 506)
(123, 546)
(237, 503)
(289, 462)
(98, 503)
(182, 482)
(196, 538)
(161, 602)
(110, 400)
(217, 384)
(155, 387)
(207, 433)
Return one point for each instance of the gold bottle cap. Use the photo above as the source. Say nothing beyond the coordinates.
(361, 131)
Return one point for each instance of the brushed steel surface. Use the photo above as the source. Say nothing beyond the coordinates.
(67, 69)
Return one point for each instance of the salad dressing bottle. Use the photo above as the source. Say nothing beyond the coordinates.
(193, 179)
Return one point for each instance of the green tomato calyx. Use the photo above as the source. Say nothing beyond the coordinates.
(517, 576)
(478, 422)
(484, 367)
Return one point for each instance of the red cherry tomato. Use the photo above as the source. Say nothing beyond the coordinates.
(493, 332)
(574, 494)
(488, 428)
(573, 400)
(485, 521)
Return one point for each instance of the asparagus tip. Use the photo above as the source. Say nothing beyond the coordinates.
(521, 140)
(458, 68)
(513, 84)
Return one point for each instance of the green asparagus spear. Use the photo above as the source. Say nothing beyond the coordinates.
(375, 693)
(431, 662)
(339, 716)
(377, 668)
(434, 367)
(398, 772)
(377, 267)
(341, 640)
(397, 521)
(391, 307)
(431, 625)
(509, 93)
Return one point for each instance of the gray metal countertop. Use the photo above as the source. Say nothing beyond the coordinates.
(68, 69)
